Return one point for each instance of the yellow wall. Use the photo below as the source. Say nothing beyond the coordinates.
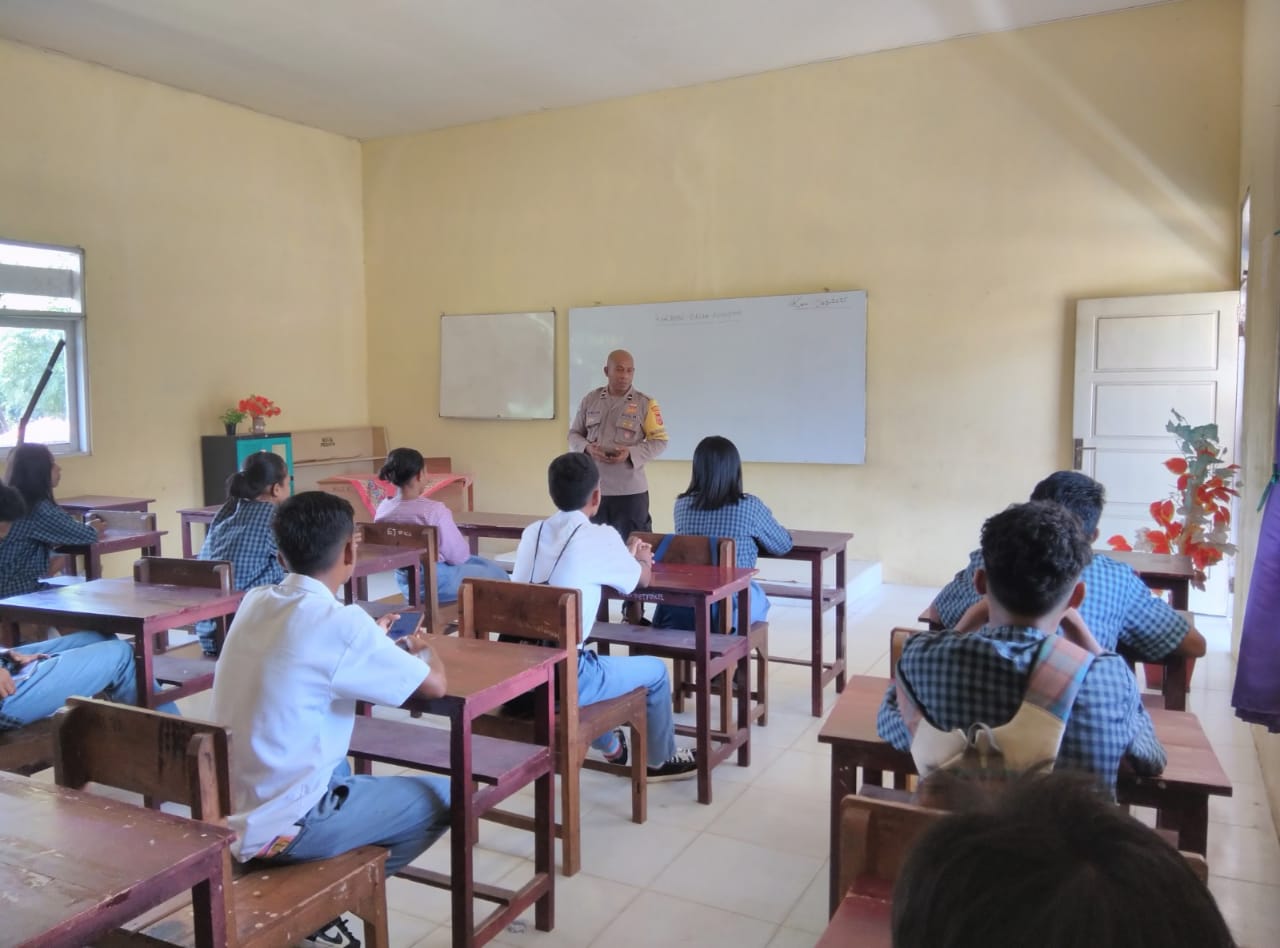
(974, 188)
(1260, 176)
(223, 256)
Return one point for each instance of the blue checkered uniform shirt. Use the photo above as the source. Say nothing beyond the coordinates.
(25, 550)
(981, 677)
(1118, 607)
(244, 538)
(749, 522)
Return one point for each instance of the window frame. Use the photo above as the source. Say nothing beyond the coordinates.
(73, 327)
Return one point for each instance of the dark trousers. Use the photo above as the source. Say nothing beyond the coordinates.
(626, 513)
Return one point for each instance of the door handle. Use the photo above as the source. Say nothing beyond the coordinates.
(1077, 455)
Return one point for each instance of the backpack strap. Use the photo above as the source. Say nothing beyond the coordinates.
(1057, 676)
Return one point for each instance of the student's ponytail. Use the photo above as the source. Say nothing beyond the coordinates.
(402, 466)
(262, 470)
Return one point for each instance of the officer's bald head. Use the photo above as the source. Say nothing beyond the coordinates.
(620, 370)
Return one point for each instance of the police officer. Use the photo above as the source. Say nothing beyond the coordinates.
(622, 430)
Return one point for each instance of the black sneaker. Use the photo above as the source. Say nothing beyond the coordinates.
(335, 933)
(680, 766)
(623, 756)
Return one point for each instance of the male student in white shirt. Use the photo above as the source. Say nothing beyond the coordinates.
(293, 666)
(569, 550)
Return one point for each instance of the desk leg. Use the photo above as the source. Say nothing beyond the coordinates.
(1180, 595)
(462, 879)
(473, 544)
(187, 551)
(843, 777)
(841, 656)
(209, 908)
(702, 698)
(815, 628)
(143, 651)
(742, 679)
(544, 808)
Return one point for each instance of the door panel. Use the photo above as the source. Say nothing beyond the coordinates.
(1136, 359)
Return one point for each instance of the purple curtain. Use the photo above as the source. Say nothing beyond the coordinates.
(1257, 692)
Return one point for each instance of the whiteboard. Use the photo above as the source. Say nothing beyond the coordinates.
(783, 377)
(498, 365)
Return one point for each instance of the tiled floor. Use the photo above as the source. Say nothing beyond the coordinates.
(751, 869)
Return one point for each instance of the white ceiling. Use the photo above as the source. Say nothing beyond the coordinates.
(369, 68)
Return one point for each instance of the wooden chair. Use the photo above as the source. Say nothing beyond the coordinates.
(696, 550)
(436, 618)
(186, 668)
(186, 761)
(897, 642)
(551, 615)
(876, 835)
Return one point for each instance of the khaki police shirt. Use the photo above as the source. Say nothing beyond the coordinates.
(632, 421)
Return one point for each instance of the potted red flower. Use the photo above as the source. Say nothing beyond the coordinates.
(259, 408)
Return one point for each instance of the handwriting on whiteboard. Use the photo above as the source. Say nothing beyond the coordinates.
(700, 316)
(818, 302)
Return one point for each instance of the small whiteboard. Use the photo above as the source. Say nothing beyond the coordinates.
(783, 377)
(498, 365)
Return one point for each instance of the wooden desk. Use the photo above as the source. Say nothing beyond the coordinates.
(123, 607)
(864, 921)
(86, 502)
(699, 587)
(815, 547)
(190, 515)
(1161, 571)
(474, 524)
(1180, 795)
(75, 866)
(376, 558)
(147, 542)
(482, 675)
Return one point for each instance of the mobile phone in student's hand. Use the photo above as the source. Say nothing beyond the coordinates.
(406, 625)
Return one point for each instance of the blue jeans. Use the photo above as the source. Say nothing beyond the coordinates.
(82, 663)
(404, 814)
(601, 677)
(449, 577)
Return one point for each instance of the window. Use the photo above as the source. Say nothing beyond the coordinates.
(42, 303)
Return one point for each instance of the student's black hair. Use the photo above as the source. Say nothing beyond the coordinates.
(1053, 864)
(311, 529)
(571, 478)
(717, 474)
(1079, 493)
(12, 506)
(30, 473)
(1033, 554)
(402, 466)
(262, 470)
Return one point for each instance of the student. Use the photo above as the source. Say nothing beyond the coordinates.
(1118, 607)
(241, 532)
(1033, 555)
(715, 505)
(37, 679)
(1050, 864)
(26, 550)
(293, 666)
(407, 469)
(569, 550)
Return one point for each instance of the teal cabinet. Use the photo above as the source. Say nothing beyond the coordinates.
(223, 455)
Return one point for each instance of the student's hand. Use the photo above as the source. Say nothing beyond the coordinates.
(975, 617)
(387, 621)
(98, 525)
(1075, 629)
(7, 687)
(26, 658)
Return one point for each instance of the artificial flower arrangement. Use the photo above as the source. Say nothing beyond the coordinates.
(258, 406)
(1195, 521)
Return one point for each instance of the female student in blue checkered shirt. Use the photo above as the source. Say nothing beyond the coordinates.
(715, 505)
(241, 531)
(25, 551)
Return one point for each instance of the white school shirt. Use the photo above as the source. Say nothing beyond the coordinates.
(594, 557)
(294, 663)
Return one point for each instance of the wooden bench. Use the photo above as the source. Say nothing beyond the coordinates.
(28, 749)
(548, 615)
(184, 761)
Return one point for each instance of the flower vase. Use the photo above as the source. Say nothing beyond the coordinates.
(259, 424)
(231, 429)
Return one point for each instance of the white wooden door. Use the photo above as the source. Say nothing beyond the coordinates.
(1137, 358)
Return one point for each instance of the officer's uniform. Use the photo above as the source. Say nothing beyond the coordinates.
(631, 421)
